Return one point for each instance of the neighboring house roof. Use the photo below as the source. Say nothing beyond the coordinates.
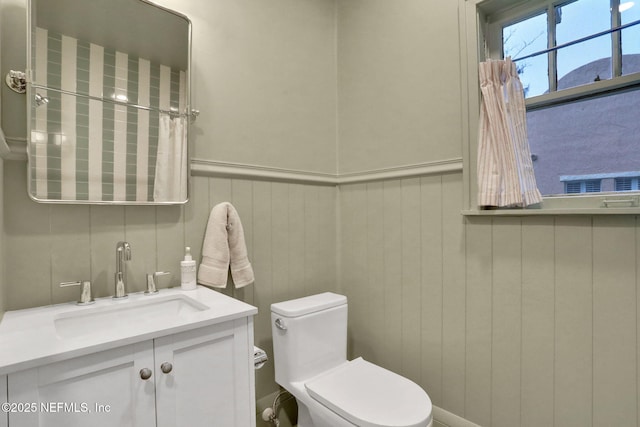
(600, 68)
(590, 137)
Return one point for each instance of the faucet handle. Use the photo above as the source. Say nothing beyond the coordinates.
(151, 282)
(85, 293)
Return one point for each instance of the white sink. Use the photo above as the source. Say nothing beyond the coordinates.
(35, 336)
(125, 314)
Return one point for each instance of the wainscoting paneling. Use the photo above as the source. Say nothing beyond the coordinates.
(525, 321)
(289, 230)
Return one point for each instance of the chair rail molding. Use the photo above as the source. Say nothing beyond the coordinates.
(239, 170)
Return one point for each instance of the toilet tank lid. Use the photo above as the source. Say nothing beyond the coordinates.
(306, 305)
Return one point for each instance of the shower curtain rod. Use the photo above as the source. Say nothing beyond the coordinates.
(192, 115)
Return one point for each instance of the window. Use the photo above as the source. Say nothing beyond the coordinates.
(626, 184)
(590, 186)
(579, 62)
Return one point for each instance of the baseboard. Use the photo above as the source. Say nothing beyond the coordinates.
(440, 416)
(450, 420)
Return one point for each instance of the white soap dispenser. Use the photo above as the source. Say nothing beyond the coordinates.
(188, 271)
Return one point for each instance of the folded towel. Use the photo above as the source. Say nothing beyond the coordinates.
(224, 246)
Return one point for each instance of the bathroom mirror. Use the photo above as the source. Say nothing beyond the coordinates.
(109, 110)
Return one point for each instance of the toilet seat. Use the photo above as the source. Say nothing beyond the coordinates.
(370, 396)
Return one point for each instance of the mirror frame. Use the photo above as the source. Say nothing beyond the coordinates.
(189, 114)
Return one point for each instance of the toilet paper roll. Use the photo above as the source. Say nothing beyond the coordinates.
(259, 357)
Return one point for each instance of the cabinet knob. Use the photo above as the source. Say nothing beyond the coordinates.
(145, 373)
(166, 367)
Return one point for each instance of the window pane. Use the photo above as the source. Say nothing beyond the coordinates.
(623, 184)
(582, 18)
(574, 21)
(592, 186)
(524, 38)
(589, 137)
(630, 12)
(584, 63)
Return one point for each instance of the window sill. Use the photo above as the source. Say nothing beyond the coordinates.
(557, 211)
(578, 204)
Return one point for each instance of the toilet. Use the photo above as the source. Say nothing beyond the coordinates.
(310, 356)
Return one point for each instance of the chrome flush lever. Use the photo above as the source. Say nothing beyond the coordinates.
(280, 324)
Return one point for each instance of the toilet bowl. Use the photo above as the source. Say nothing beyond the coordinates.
(310, 348)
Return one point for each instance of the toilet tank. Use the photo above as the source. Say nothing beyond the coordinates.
(309, 336)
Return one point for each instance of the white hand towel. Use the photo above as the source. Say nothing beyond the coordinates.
(224, 246)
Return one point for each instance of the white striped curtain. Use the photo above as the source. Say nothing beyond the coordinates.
(505, 169)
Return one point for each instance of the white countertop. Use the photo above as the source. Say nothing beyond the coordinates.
(29, 338)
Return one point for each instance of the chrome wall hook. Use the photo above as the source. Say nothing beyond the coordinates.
(17, 81)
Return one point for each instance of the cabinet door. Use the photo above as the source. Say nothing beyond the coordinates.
(104, 389)
(211, 380)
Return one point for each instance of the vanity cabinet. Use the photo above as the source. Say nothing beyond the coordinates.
(199, 377)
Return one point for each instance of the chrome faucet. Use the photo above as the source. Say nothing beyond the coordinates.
(123, 253)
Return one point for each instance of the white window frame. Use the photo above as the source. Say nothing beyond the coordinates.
(474, 49)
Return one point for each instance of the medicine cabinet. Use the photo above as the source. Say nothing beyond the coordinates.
(109, 105)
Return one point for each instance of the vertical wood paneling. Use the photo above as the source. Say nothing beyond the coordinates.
(538, 287)
(410, 228)
(614, 322)
(27, 274)
(375, 269)
(107, 229)
(280, 240)
(453, 298)
(503, 321)
(312, 235)
(354, 257)
(141, 235)
(479, 320)
(170, 241)
(219, 191)
(263, 292)
(573, 373)
(392, 231)
(506, 327)
(296, 241)
(196, 215)
(431, 301)
(327, 243)
(70, 250)
(290, 232)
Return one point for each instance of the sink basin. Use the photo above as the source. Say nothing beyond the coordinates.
(126, 314)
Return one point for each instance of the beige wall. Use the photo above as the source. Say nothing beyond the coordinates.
(264, 78)
(13, 53)
(398, 83)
